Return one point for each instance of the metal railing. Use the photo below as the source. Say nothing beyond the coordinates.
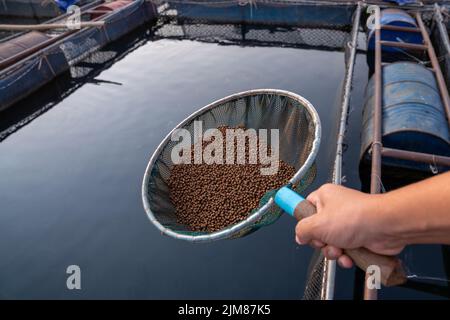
(377, 149)
(330, 265)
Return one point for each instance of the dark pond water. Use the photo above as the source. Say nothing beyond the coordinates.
(71, 179)
(70, 187)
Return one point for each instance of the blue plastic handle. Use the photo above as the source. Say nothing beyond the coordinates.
(287, 199)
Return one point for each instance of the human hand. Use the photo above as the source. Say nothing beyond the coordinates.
(347, 219)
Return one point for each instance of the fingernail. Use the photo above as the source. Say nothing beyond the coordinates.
(331, 252)
(297, 239)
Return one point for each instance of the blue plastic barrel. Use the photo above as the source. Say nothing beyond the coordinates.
(413, 115)
(395, 17)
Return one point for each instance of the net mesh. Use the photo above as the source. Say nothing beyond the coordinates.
(231, 34)
(316, 276)
(439, 44)
(260, 110)
(323, 25)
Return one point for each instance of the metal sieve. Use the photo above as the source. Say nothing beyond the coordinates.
(299, 129)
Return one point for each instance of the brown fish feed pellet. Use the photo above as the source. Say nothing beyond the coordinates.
(211, 197)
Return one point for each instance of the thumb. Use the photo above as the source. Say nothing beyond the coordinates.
(313, 197)
(308, 229)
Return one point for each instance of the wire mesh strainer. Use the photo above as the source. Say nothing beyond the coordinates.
(299, 130)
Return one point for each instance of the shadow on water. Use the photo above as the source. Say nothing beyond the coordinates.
(86, 71)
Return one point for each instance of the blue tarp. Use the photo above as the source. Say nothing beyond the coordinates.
(402, 2)
(64, 4)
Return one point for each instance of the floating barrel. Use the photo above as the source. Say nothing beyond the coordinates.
(23, 42)
(394, 17)
(413, 115)
(399, 18)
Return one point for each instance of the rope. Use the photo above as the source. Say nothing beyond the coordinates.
(22, 74)
(49, 65)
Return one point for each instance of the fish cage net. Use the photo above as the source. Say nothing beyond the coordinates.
(259, 23)
(228, 34)
(275, 12)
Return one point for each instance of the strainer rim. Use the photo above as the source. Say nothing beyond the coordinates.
(236, 228)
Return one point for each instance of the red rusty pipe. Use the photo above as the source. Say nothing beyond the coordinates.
(371, 294)
(398, 28)
(416, 156)
(404, 45)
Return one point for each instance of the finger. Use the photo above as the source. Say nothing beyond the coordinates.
(345, 261)
(317, 244)
(331, 252)
(313, 197)
(306, 230)
(297, 239)
(314, 243)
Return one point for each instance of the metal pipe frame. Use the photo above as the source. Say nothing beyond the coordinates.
(416, 156)
(398, 28)
(377, 149)
(404, 45)
(375, 177)
(330, 265)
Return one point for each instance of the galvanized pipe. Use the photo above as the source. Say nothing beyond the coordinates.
(441, 27)
(47, 26)
(435, 64)
(416, 156)
(375, 178)
(330, 265)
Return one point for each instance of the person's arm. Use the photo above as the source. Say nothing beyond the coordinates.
(383, 223)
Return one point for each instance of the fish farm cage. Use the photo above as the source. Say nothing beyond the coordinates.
(331, 25)
(338, 26)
